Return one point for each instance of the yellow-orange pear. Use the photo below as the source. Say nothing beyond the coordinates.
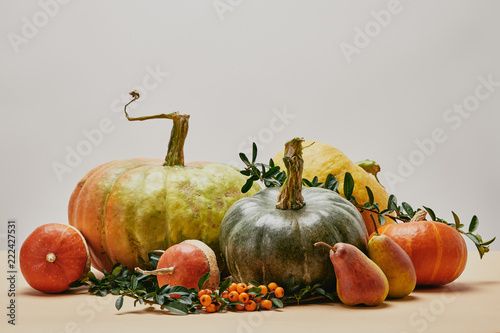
(395, 263)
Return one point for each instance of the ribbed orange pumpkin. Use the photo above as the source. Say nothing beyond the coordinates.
(438, 251)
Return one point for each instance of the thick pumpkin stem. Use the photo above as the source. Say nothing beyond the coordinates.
(175, 154)
(290, 196)
(161, 271)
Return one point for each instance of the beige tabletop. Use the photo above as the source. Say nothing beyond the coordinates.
(470, 304)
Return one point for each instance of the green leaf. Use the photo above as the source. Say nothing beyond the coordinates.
(160, 299)
(277, 302)
(431, 213)
(473, 224)
(381, 220)
(370, 195)
(489, 242)
(177, 307)
(248, 185)
(178, 290)
(273, 171)
(392, 203)
(348, 185)
(116, 270)
(408, 209)
(244, 158)
(224, 285)
(254, 152)
(474, 239)
(119, 303)
(204, 278)
(457, 220)
(133, 282)
(331, 183)
(307, 182)
(92, 277)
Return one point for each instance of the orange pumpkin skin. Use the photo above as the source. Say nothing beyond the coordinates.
(53, 256)
(190, 259)
(438, 251)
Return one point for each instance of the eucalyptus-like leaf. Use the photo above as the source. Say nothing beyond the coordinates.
(370, 195)
(392, 203)
(457, 220)
(489, 242)
(244, 158)
(119, 303)
(201, 281)
(133, 282)
(473, 224)
(177, 307)
(248, 185)
(254, 152)
(408, 209)
(277, 302)
(431, 213)
(224, 285)
(348, 185)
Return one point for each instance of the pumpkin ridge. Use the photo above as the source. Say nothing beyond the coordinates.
(461, 265)
(85, 223)
(105, 224)
(130, 240)
(439, 257)
(103, 221)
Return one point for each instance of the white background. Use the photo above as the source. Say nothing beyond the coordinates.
(233, 66)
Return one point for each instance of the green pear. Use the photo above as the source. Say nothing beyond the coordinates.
(395, 263)
(359, 279)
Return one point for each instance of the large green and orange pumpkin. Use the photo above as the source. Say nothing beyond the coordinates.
(271, 235)
(128, 208)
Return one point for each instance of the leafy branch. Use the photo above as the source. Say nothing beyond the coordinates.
(271, 176)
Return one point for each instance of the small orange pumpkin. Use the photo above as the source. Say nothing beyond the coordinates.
(53, 256)
(438, 251)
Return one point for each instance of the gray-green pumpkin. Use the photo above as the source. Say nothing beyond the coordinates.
(267, 242)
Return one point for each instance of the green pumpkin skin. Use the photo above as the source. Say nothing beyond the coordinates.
(262, 243)
(128, 208)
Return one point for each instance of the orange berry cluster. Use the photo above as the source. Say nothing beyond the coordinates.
(241, 296)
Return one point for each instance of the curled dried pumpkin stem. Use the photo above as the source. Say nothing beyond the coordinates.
(290, 196)
(160, 271)
(175, 153)
(419, 216)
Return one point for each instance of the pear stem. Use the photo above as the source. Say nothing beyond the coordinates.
(325, 244)
(175, 154)
(290, 196)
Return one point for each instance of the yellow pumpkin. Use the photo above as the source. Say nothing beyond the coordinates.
(320, 159)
